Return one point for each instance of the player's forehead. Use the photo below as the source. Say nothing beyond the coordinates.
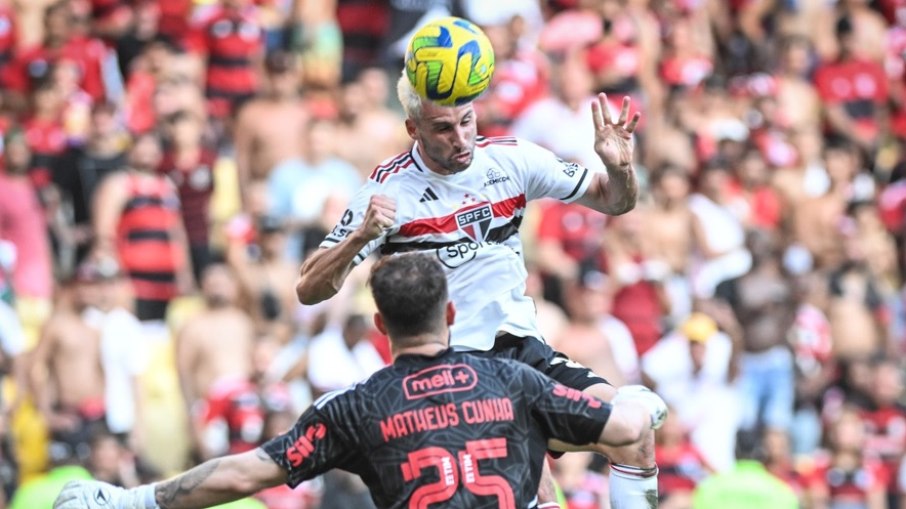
(435, 113)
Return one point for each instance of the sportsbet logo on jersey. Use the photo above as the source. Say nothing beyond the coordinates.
(475, 221)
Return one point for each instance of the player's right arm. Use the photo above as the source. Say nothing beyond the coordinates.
(313, 446)
(359, 231)
(574, 420)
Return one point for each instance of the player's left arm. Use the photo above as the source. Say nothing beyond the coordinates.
(616, 191)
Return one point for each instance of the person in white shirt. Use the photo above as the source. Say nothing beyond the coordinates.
(462, 197)
(342, 356)
(693, 368)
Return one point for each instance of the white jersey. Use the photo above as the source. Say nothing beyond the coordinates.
(470, 220)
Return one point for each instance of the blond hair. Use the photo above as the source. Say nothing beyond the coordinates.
(408, 97)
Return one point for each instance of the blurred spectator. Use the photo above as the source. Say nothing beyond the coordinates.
(298, 190)
(668, 231)
(137, 223)
(857, 311)
(265, 275)
(520, 69)
(22, 225)
(363, 24)
(122, 350)
(8, 32)
(560, 122)
(854, 91)
(798, 103)
(694, 369)
(569, 237)
(80, 170)
(680, 464)
(144, 24)
(67, 372)
(638, 276)
(764, 305)
(270, 129)
(342, 356)
(45, 135)
(718, 233)
(812, 345)
(817, 219)
(761, 203)
(214, 361)
(32, 64)
(885, 421)
(231, 42)
(368, 131)
(75, 111)
(779, 461)
(848, 475)
(108, 461)
(189, 163)
(583, 339)
(747, 485)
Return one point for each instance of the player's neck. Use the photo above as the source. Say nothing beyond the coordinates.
(421, 345)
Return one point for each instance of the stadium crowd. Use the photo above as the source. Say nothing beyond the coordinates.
(167, 165)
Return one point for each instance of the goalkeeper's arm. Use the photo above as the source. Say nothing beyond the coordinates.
(214, 482)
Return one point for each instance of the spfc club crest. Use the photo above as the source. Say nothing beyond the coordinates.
(475, 221)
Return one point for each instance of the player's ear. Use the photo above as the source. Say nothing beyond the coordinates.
(410, 127)
(379, 323)
(451, 313)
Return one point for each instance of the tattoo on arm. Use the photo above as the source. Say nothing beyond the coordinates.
(167, 494)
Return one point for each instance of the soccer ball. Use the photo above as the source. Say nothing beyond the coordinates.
(450, 61)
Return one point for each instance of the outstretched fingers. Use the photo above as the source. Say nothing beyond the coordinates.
(630, 128)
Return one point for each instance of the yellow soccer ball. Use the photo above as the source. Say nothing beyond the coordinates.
(450, 61)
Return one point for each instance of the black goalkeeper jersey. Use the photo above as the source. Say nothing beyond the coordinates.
(455, 430)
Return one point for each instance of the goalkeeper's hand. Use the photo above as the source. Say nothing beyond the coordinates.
(100, 495)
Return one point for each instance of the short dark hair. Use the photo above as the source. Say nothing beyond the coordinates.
(410, 291)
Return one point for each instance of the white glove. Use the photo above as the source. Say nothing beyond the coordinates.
(100, 495)
(651, 401)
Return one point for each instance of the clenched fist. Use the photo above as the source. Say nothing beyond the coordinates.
(379, 217)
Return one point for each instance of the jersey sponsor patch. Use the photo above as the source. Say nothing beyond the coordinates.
(438, 380)
(475, 221)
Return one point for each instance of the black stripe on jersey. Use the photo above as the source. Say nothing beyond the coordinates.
(495, 235)
(576, 190)
(381, 174)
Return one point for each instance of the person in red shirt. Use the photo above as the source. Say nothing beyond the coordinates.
(232, 41)
(568, 236)
(190, 165)
(885, 418)
(847, 475)
(752, 186)
(854, 91)
(45, 136)
(31, 66)
(680, 464)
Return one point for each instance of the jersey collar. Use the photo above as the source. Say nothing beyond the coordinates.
(412, 359)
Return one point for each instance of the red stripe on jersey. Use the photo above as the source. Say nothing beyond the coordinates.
(447, 224)
(497, 140)
(396, 169)
(384, 167)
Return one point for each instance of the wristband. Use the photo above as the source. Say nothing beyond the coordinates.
(141, 497)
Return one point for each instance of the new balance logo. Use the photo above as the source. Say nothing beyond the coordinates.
(428, 195)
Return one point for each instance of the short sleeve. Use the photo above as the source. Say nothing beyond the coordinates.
(548, 176)
(316, 443)
(567, 414)
(352, 218)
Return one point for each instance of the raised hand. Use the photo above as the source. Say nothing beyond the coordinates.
(380, 216)
(613, 140)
